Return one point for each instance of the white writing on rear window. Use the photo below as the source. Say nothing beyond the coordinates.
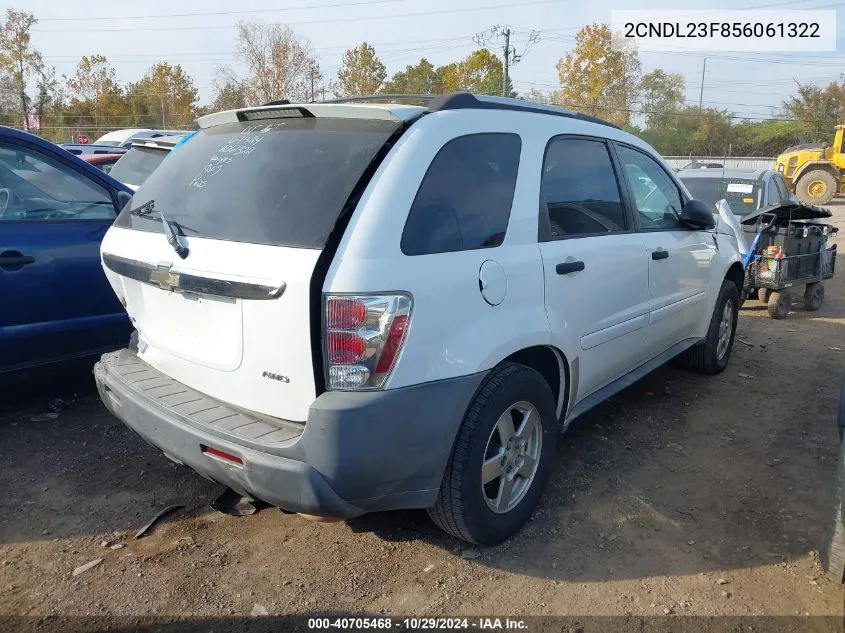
(237, 147)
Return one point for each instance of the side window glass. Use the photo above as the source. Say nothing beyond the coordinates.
(579, 191)
(464, 201)
(772, 193)
(781, 185)
(35, 186)
(655, 194)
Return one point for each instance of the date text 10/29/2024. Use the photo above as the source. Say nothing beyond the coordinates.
(417, 624)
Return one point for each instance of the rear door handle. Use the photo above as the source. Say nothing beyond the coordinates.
(569, 267)
(13, 258)
(660, 254)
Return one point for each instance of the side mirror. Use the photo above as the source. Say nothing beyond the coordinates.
(123, 199)
(697, 215)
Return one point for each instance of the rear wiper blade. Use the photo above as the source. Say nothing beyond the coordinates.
(145, 210)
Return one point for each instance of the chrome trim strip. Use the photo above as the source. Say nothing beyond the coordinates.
(163, 277)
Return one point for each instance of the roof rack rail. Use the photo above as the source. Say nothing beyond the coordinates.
(277, 102)
(385, 97)
(469, 101)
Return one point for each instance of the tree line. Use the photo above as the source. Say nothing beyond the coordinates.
(276, 62)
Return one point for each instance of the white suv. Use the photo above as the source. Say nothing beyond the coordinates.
(350, 307)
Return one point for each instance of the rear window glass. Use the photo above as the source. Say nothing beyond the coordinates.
(135, 166)
(464, 201)
(281, 181)
(742, 195)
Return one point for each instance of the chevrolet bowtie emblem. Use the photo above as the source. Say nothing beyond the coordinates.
(163, 278)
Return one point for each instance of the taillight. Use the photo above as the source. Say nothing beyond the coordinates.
(393, 343)
(363, 338)
(344, 313)
(345, 348)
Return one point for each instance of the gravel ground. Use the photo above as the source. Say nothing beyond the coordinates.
(682, 496)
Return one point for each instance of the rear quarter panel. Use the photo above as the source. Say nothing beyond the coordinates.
(453, 330)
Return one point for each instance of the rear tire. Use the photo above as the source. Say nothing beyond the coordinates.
(779, 304)
(816, 187)
(479, 513)
(712, 356)
(813, 296)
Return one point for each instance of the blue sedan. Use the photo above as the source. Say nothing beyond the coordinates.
(55, 302)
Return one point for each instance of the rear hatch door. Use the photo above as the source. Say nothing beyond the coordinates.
(254, 203)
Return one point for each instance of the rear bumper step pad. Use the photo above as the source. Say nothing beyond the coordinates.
(358, 452)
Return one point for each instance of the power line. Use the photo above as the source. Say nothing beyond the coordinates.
(445, 44)
(206, 13)
(710, 55)
(233, 53)
(316, 6)
(296, 23)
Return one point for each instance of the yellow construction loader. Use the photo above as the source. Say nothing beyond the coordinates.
(814, 173)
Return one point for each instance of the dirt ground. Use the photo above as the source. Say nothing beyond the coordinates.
(682, 496)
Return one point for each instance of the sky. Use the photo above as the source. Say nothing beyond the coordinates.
(402, 31)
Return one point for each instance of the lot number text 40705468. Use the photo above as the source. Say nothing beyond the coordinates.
(417, 624)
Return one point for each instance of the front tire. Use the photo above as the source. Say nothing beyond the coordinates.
(712, 356)
(501, 459)
(816, 187)
(779, 304)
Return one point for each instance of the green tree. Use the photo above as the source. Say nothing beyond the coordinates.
(421, 78)
(597, 78)
(97, 102)
(50, 98)
(765, 138)
(661, 97)
(228, 97)
(691, 131)
(279, 63)
(818, 109)
(17, 57)
(164, 97)
(93, 80)
(361, 72)
(316, 83)
(481, 72)
(9, 103)
(538, 96)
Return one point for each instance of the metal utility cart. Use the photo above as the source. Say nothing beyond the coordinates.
(788, 250)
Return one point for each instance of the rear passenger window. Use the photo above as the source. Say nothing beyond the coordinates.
(464, 201)
(579, 192)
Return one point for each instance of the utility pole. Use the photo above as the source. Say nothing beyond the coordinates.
(701, 92)
(510, 57)
(507, 54)
(312, 83)
(163, 126)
